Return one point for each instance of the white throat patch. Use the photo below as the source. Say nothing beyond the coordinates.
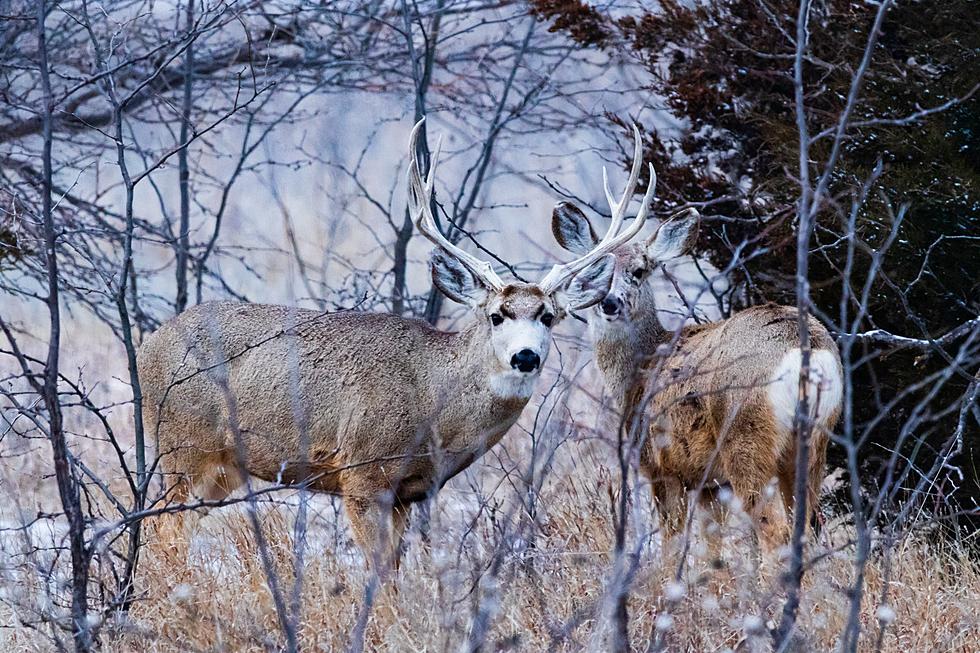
(512, 385)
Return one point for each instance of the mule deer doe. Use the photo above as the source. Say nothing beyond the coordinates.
(379, 409)
(721, 402)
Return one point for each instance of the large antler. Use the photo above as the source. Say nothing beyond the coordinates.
(420, 204)
(561, 273)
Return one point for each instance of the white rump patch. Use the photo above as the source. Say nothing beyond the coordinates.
(824, 394)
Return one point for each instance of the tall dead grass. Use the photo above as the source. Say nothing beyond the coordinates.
(548, 597)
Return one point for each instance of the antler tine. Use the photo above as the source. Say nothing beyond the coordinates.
(420, 204)
(618, 209)
(561, 273)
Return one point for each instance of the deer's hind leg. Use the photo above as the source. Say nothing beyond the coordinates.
(197, 476)
(816, 469)
(750, 463)
(215, 477)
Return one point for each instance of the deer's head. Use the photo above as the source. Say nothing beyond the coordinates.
(630, 297)
(519, 317)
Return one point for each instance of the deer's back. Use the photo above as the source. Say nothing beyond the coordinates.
(277, 377)
(739, 354)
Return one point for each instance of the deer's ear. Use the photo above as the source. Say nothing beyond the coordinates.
(455, 280)
(589, 286)
(572, 229)
(675, 236)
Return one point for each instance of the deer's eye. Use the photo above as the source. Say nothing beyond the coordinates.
(547, 319)
(496, 319)
(638, 273)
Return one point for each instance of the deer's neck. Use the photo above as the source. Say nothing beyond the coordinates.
(621, 349)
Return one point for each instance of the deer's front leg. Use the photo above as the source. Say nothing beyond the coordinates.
(671, 501)
(378, 527)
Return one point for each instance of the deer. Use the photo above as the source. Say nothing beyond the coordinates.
(713, 404)
(378, 409)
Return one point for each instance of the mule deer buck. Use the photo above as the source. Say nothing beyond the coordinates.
(715, 402)
(378, 409)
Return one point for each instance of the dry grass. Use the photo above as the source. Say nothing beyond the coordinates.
(549, 597)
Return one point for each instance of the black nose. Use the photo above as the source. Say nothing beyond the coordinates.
(610, 305)
(525, 360)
